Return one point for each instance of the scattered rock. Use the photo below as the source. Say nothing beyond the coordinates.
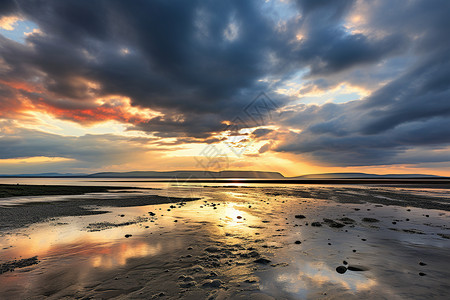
(216, 283)
(370, 220)
(197, 269)
(347, 221)
(188, 284)
(422, 264)
(300, 216)
(357, 268)
(253, 254)
(128, 235)
(262, 260)
(445, 236)
(212, 249)
(333, 223)
(422, 274)
(15, 264)
(211, 275)
(298, 242)
(341, 269)
(316, 224)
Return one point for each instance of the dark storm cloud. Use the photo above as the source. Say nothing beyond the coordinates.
(410, 113)
(7, 7)
(200, 63)
(202, 59)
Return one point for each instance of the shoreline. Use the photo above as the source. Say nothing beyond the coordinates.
(235, 243)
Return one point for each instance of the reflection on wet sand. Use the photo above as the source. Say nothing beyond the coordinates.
(248, 240)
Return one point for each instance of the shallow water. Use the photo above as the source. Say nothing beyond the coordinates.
(76, 261)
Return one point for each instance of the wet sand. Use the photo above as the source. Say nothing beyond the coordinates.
(307, 242)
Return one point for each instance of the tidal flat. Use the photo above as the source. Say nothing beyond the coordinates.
(242, 241)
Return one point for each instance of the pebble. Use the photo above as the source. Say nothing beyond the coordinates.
(262, 260)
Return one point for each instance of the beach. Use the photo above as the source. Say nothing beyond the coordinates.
(228, 241)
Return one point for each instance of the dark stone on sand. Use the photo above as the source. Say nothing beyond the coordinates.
(262, 260)
(212, 283)
(239, 217)
(422, 264)
(357, 268)
(128, 235)
(347, 220)
(212, 249)
(445, 236)
(253, 254)
(370, 220)
(316, 224)
(298, 242)
(188, 284)
(151, 213)
(300, 216)
(422, 274)
(333, 223)
(211, 275)
(345, 262)
(341, 269)
(15, 264)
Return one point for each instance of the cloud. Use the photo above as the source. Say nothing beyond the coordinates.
(183, 70)
(92, 150)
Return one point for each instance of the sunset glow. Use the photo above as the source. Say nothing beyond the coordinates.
(286, 86)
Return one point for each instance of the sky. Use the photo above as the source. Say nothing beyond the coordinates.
(293, 86)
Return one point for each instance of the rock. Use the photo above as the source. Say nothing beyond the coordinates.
(239, 217)
(253, 254)
(298, 242)
(345, 262)
(347, 221)
(188, 278)
(197, 268)
(188, 284)
(151, 213)
(341, 269)
(333, 223)
(357, 268)
(422, 264)
(316, 224)
(212, 249)
(21, 263)
(128, 235)
(211, 275)
(370, 220)
(262, 260)
(300, 216)
(212, 283)
(422, 274)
